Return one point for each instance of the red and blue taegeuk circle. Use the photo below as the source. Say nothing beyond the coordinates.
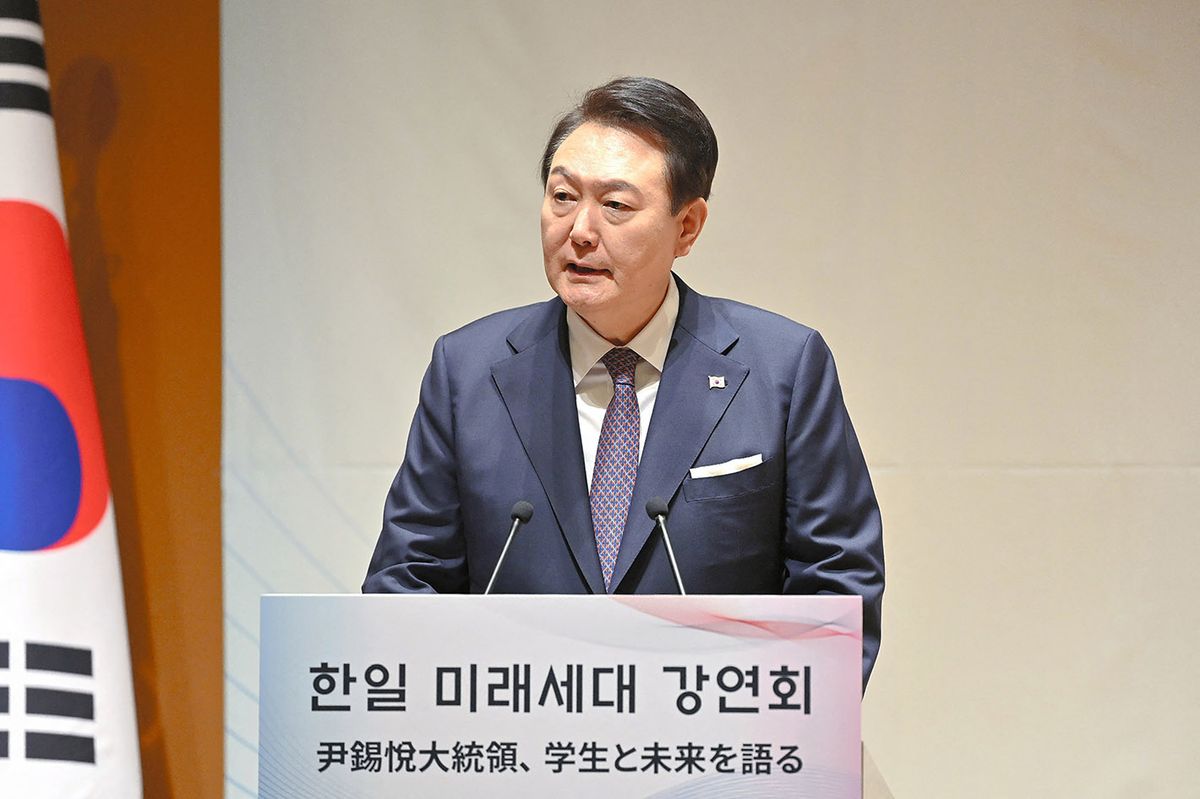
(53, 480)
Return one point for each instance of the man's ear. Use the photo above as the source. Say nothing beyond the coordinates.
(691, 221)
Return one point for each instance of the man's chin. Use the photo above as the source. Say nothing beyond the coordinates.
(583, 297)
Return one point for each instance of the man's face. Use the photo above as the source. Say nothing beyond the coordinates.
(608, 235)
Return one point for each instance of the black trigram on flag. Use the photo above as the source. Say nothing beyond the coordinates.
(3, 700)
(57, 705)
(25, 87)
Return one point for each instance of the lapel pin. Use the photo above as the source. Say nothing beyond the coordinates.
(716, 381)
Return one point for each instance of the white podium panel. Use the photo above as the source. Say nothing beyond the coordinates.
(580, 696)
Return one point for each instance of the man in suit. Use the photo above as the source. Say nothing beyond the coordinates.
(627, 386)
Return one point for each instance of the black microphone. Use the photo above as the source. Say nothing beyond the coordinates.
(656, 509)
(522, 512)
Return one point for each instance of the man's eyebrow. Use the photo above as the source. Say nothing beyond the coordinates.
(618, 185)
(603, 185)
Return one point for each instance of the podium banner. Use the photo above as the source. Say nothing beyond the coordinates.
(582, 696)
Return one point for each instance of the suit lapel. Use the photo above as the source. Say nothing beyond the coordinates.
(685, 413)
(536, 387)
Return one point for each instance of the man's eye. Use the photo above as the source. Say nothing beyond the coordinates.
(561, 196)
(616, 205)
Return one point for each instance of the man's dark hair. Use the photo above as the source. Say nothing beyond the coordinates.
(659, 112)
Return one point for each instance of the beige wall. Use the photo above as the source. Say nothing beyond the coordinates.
(990, 210)
(135, 94)
(1031, 397)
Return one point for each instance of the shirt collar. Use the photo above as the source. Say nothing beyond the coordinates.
(651, 342)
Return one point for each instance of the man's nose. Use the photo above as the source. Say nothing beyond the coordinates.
(583, 232)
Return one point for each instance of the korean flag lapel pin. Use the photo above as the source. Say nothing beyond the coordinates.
(716, 381)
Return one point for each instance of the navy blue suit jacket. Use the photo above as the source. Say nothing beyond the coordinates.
(497, 423)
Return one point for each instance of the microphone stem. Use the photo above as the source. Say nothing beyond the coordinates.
(662, 522)
(503, 553)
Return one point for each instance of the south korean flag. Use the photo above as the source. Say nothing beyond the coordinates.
(67, 719)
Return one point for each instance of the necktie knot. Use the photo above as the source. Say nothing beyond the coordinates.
(621, 363)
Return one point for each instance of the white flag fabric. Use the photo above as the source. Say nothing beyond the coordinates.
(68, 725)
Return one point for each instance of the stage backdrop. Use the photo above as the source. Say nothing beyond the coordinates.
(990, 211)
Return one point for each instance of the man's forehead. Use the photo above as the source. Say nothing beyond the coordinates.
(609, 155)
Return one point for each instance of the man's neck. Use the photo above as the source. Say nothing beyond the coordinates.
(651, 342)
(619, 335)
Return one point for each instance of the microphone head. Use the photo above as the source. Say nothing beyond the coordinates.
(656, 507)
(523, 511)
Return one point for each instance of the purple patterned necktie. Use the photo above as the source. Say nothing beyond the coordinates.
(616, 465)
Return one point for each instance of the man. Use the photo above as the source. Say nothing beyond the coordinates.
(628, 386)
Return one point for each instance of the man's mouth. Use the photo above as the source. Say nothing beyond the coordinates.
(580, 269)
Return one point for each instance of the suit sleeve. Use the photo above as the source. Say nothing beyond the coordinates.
(421, 548)
(833, 543)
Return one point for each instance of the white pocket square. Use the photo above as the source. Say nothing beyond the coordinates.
(728, 467)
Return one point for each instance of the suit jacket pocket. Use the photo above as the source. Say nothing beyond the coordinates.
(748, 481)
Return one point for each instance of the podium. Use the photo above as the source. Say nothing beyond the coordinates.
(581, 696)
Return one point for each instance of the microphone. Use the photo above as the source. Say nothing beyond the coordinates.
(656, 509)
(522, 512)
